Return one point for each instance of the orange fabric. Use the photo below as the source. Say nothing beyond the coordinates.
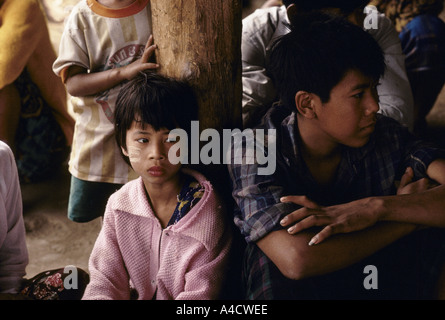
(22, 29)
(132, 9)
(26, 43)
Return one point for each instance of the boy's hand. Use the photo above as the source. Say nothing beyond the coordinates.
(406, 185)
(344, 218)
(131, 70)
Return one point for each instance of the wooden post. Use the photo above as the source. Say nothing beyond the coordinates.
(200, 40)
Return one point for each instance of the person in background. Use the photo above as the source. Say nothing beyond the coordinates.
(389, 9)
(422, 37)
(47, 285)
(265, 25)
(34, 118)
(13, 250)
(104, 44)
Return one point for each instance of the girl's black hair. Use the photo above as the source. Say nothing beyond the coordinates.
(155, 100)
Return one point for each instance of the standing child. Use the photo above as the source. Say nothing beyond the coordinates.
(103, 45)
(165, 232)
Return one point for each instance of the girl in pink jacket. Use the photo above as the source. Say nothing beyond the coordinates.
(164, 234)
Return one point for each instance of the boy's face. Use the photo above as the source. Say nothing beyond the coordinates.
(349, 117)
(148, 150)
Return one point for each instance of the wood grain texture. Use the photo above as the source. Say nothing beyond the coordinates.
(200, 40)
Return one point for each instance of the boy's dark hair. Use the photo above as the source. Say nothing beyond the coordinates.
(155, 100)
(318, 52)
(345, 6)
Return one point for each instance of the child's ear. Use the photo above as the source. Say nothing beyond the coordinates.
(124, 152)
(292, 11)
(304, 102)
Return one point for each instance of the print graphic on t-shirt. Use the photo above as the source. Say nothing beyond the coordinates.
(121, 58)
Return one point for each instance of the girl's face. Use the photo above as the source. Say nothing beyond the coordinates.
(148, 150)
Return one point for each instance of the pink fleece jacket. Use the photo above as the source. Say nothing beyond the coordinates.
(183, 261)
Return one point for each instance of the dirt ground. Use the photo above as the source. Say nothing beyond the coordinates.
(53, 240)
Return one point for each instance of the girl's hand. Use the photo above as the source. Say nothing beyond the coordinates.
(141, 64)
(344, 218)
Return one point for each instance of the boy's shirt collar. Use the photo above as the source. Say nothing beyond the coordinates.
(347, 170)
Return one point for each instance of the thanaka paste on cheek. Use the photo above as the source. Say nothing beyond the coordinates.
(134, 153)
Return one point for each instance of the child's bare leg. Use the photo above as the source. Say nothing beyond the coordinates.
(9, 114)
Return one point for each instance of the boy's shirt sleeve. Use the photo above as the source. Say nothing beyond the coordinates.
(420, 155)
(259, 209)
(73, 49)
(414, 152)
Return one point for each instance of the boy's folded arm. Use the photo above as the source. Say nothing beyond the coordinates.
(296, 259)
(424, 208)
(401, 214)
